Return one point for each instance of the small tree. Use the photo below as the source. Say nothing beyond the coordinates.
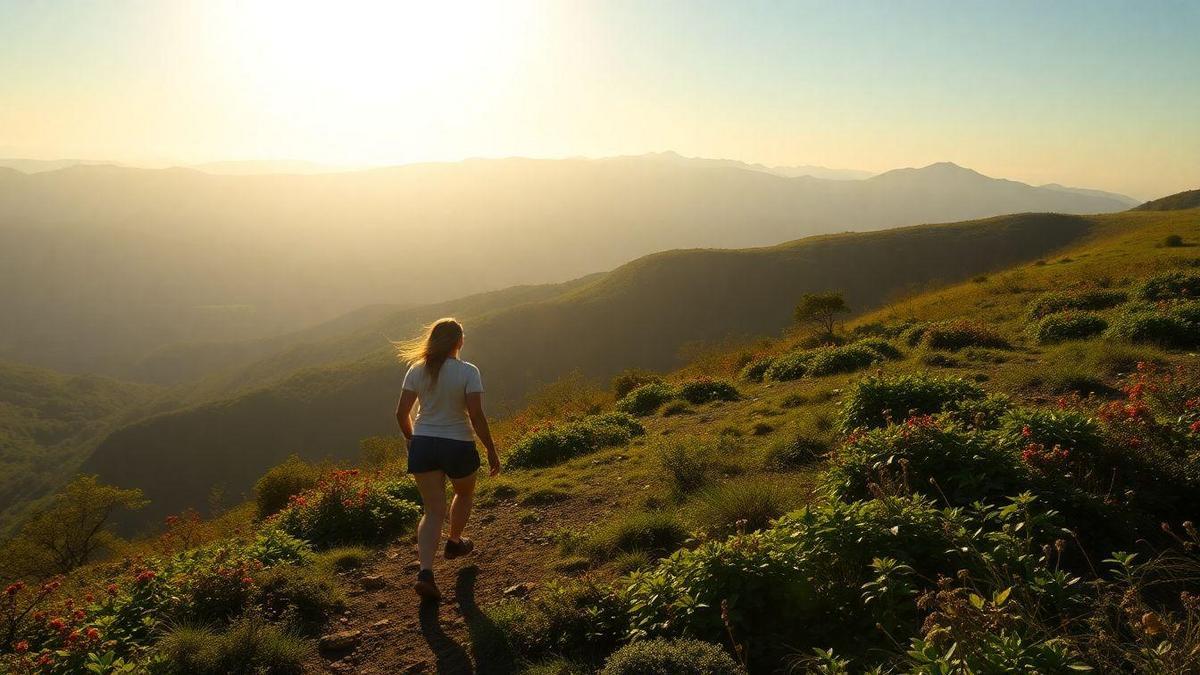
(821, 310)
(70, 530)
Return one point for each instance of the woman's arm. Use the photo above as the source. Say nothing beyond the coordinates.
(480, 424)
(404, 413)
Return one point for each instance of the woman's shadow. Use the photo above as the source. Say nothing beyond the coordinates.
(489, 650)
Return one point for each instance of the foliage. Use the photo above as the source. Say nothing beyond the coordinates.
(558, 443)
(706, 390)
(302, 594)
(645, 399)
(671, 657)
(348, 507)
(1173, 241)
(655, 533)
(756, 369)
(821, 310)
(632, 378)
(580, 620)
(1069, 326)
(875, 400)
(830, 360)
(740, 505)
(791, 452)
(250, 645)
(1078, 300)
(281, 482)
(71, 530)
(957, 334)
(1174, 285)
(1156, 327)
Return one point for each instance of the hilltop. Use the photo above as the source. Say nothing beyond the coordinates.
(640, 315)
(182, 256)
(1175, 202)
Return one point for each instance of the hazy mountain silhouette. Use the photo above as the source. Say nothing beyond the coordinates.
(100, 266)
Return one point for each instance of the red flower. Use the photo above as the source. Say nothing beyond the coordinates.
(1195, 427)
(21, 646)
(92, 634)
(73, 637)
(112, 589)
(145, 576)
(1026, 431)
(57, 623)
(14, 588)
(80, 615)
(247, 580)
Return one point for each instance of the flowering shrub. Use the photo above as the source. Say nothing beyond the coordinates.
(875, 401)
(705, 390)
(756, 369)
(1086, 300)
(906, 459)
(646, 398)
(557, 443)
(960, 334)
(347, 507)
(1069, 326)
(1170, 286)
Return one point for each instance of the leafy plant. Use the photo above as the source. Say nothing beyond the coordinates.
(1079, 300)
(875, 400)
(557, 443)
(671, 657)
(647, 398)
(347, 507)
(706, 390)
(1069, 326)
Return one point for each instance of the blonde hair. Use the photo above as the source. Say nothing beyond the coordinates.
(432, 347)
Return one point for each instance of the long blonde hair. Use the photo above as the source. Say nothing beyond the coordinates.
(432, 347)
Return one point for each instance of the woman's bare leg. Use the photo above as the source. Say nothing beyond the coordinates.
(432, 486)
(460, 508)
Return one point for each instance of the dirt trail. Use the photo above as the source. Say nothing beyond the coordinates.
(401, 635)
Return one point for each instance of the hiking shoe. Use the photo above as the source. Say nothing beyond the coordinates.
(425, 587)
(457, 549)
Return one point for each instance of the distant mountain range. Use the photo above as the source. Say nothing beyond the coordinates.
(102, 266)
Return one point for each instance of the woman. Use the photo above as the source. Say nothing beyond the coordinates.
(441, 444)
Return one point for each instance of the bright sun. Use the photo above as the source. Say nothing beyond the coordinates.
(360, 68)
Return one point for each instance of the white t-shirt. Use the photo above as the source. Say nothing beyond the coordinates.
(442, 409)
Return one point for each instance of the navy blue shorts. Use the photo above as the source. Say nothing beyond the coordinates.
(458, 459)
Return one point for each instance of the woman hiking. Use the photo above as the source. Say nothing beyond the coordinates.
(441, 444)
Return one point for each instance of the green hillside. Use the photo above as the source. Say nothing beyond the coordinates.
(640, 315)
(1175, 202)
(48, 424)
(997, 475)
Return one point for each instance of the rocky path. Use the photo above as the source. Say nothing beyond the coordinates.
(386, 630)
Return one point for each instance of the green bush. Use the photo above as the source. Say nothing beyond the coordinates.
(1188, 311)
(706, 390)
(1175, 285)
(874, 399)
(645, 399)
(671, 657)
(757, 369)
(343, 558)
(1069, 326)
(1154, 327)
(1173, 241)
(747, 504)
(578, 620)
(791, 452)
(902, 459)
(348, 507)
(279, 483)
(688, 464)
(673, 408)
(562, 442)
(1063, 301)
(880, 346)
(249, 646)
(631, 379)
(790, 366)
(845, 359)
(1067, 429)
(655, 533)
(305, 594)
(959, 334)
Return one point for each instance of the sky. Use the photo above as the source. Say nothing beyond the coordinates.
(1095, 94)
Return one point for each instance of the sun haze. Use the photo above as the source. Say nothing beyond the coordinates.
(1093, 94)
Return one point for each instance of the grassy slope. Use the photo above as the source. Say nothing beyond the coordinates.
(597, 493)
(1175, 202)
(639, 315)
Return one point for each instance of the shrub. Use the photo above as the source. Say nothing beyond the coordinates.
(343, 558)
(676, 408)
(559, 443)
(794, 451)
(1068, 429)
(880, 346)
(655, 533)
(1170, 286)
(1188, 311)
(757, 369)
(305, 594)
(688, 464)
(671, 657)
(280, 482)
(1173, 241)
(347, 507)
(961, 333)
(745, 504)
(1155, 327)
(249, 646)
(845, 359)
(646, 399)
(1069, 326)
(579, 620)
(790, 366)
(706, 390)
(876, 399)
(902, 459)
(1087, 300)
(631, 379)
